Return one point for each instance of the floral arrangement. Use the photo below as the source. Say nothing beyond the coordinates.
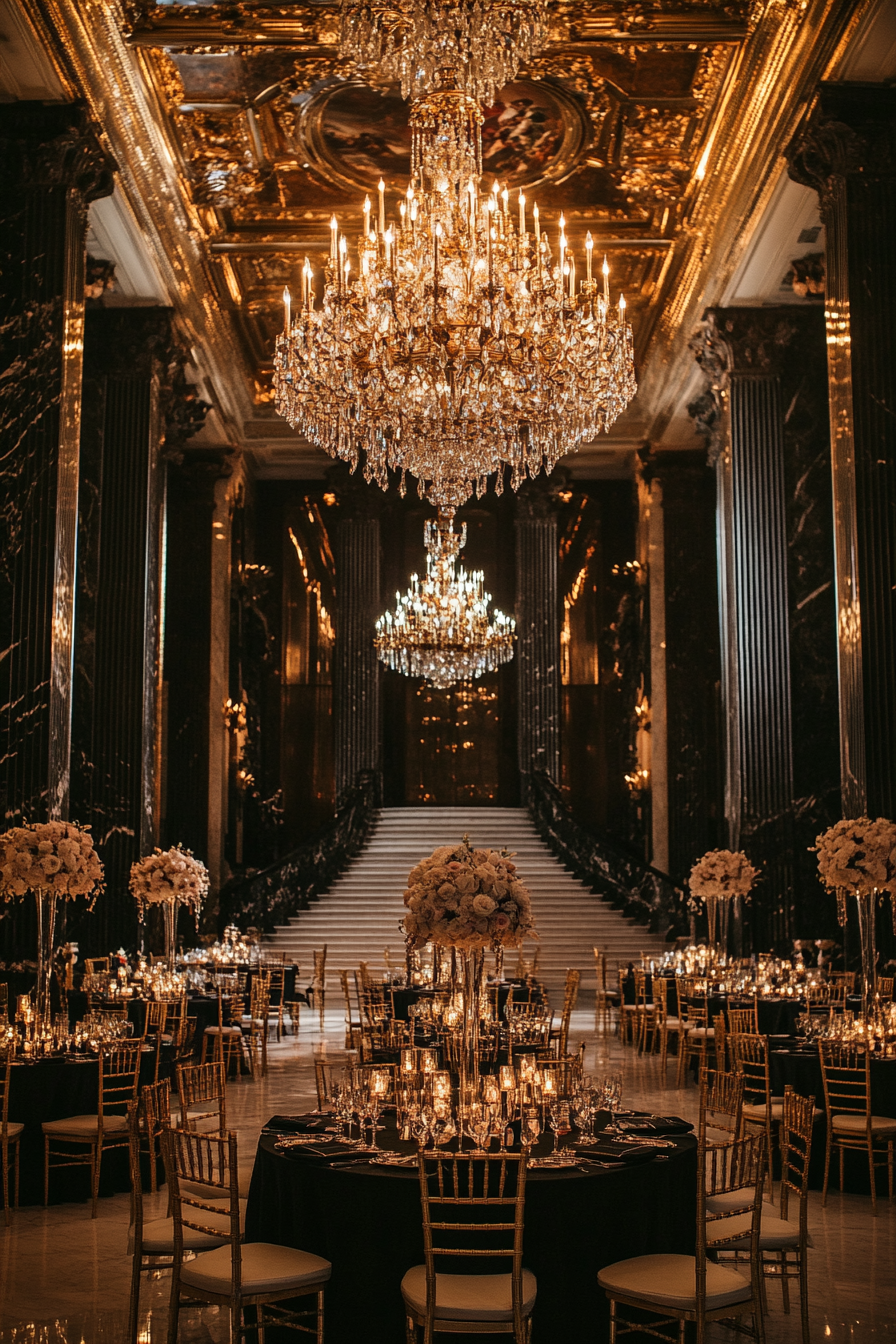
(56, 857)
(722, 874)
(169, 877)
(858, 855)
(467, 898)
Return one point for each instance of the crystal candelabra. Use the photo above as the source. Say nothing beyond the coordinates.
(466, 345)
(412, 41)
(440, 629)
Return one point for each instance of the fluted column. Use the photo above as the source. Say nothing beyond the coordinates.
(537, 629)
(848, 154)
(358, 604)
(116, 759)
(764, 415)
(52, 167)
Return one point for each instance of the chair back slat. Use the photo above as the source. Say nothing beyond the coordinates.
(202, 1085)
(846, 1078)
(119, 1069)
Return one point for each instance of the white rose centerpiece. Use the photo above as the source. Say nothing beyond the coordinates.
(467, 899)
(169, 878)
(720, 875)
(56, 861)
(857, 856)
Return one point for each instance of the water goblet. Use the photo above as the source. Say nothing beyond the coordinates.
(558, 1114)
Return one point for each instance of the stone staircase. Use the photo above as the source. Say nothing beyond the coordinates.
(359, 916)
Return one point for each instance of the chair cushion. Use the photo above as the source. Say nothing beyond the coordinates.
(223, 1031)
(671, 1281)
(751, 1112)
(158, 1233)
(673, 1022)
(468, 1297)
(855, 1124)
(774, 1233)
(13, 1130)
(701, 1033)
(727, 1200)
(266, 1268)
(83, 1126)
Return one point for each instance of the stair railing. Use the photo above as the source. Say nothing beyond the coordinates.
(271, 896)
(640, 892)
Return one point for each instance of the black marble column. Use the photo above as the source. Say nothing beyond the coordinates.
(692, 658)
(116, 747)
(537, 628)
(52, 166)
(770, 446)
(190, 504)
(848, 154)
(356, 668)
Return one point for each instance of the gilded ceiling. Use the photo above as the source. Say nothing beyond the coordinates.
(273, 134)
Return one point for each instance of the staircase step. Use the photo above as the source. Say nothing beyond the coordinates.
(358, 916)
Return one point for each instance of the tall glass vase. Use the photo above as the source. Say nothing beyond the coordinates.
(169, 914)
(46, 929)
(712, 911)
(471, 971)
(867, 906)
(724, 921)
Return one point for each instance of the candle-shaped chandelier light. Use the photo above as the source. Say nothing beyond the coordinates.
(412, 41)
(453, 339)
(440, 629)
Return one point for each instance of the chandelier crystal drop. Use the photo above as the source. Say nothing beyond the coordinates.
(484, 42)
(462, 343)
(440, 630)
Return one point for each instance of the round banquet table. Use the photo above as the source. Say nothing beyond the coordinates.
(51, 1089)
(404, 997)
(366, 1220)
(777, 1016)
(801, 1069)
(204, 1007)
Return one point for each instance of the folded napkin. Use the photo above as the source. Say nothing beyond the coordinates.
(657, 1124)
(298, 1124)
(630, 1153)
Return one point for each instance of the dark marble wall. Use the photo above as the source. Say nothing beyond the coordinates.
(693, 666)
(114, 747)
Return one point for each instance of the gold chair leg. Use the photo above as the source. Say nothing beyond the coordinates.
(827, 1171)
(4, 1156)
(873, 1181)
(46, 1171)
(785, 1286)
(134, 1304)
(96, 1157)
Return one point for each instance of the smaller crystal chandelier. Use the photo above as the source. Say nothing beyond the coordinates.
(440, 629)
(483, 42)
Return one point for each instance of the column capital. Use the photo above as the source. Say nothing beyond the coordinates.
(45, 145)
(852, 131)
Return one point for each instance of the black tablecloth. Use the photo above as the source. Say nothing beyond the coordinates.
(51, 1090)
(366, 1220)
(404, 997)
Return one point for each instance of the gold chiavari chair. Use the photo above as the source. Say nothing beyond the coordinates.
(665, 1024)
(151, 1241)
(324, 1079)
(837, 995)
(628, 1012)
(720, 1041)
(783, 1243)
(846, 1078)
(606, 998)
(760, 1110)
(681, 1288)
(226, 1039)
(10, 1133)
(560, 1034)
(4, 1001)
(644, 1011)
(237, 1274)
(276, 978)
(319, 983)
(84, 1138)
(846, 979)
(294, 1006)
(255, 1026)
(721, 1107)
(453, 1189)
(203, 1098)
(154, 1115)
(744, 1020)
(352, 1026)
(695, 1036)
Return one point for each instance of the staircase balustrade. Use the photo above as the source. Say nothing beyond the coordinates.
(640, 892)
(270, 896)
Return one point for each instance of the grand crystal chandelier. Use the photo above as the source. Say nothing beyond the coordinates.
(412, 41)
(462, 343)
(440, 630)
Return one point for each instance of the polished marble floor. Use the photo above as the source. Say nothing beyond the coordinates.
(64, 1278)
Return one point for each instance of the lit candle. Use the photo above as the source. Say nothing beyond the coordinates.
(537, 226)
(522, 215)
(402, 210)
(287, 305)
(382, 190)
(572, 276)
(333, 239)
(388, 239)
(366, 215)
(506, 1078)
(505, 197)
(621, 307)
(343, 246)
(589, 247)
(606, 274)
(309, 292)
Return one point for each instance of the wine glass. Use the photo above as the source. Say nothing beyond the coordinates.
(479, 1126)
(584, 1106)
(531, 1126)
(558, 1114)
